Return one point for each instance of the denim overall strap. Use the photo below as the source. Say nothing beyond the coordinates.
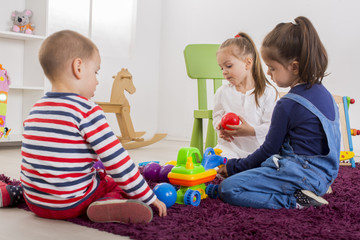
(329, 163)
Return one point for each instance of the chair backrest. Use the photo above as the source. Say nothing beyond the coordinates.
(201, 64)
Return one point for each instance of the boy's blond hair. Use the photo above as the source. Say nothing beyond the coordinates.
(62, 46)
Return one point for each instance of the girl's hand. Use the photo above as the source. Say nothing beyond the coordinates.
(161, 207)
(241, 130)
(223, 172)
(224, 135)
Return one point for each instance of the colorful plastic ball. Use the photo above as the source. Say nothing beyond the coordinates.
(98, 165)
(163, 174)
(166, 193)
(172, 162)
(230, 119)
(151, 171)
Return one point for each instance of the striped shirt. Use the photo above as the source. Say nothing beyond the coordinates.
(64, 135)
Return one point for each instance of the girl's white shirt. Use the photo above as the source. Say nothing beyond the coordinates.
(228, 99)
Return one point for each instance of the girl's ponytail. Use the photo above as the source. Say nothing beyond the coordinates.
(313, 57)
(245, 46)
(257, 69)
(298, 42)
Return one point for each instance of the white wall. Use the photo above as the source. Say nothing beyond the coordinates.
(142, 59)
(213, 21)
(143, 64)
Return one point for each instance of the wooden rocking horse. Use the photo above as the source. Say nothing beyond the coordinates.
(120, 106)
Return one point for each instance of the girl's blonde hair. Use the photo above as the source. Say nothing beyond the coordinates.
(300, 42)
(244, 46)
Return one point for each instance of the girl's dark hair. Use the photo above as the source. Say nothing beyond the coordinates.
(246, 46)
(298, 42)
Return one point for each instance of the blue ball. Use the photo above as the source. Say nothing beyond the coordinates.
(166, 193)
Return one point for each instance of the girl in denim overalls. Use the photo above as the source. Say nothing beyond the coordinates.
(299, 159)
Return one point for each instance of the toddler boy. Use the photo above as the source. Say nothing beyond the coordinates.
(66, 133)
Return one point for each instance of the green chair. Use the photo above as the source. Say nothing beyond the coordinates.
(201, 64)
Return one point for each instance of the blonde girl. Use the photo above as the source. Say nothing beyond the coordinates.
(248, 94)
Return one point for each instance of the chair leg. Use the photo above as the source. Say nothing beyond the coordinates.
(211, 135)
(197, 135)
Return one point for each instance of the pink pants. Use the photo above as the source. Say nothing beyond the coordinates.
(106, 189)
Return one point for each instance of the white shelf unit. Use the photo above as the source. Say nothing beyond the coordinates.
(20, 36)
(19, 56)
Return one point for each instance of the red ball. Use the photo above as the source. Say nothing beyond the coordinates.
(230, 119)
(352, 101)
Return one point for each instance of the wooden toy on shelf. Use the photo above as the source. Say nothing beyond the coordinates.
(120, 106)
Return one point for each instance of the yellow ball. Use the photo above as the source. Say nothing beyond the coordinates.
(172, 162)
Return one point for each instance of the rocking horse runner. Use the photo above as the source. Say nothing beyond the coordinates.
(120, 106)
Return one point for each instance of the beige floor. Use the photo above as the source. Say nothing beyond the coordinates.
(16, 224)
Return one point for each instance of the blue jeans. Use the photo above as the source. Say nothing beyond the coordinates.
(273, 184)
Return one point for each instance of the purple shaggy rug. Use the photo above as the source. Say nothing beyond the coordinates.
(214, 219)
